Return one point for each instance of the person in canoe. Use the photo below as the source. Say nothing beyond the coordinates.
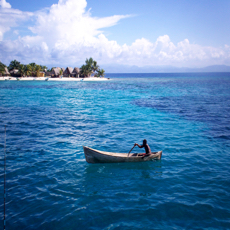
(146, 146)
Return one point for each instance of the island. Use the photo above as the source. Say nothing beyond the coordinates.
(90, 71)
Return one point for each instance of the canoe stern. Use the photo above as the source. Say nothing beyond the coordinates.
(89, 155)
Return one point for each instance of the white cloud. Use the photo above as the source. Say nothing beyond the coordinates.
(10, 17)
(4, 4)
(68, 23)
(66, 34)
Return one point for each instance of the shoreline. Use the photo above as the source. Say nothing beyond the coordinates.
(52, 79)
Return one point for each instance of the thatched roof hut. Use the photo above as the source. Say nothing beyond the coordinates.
(6, 73)
(15, 73)
(76, 72)
(68, 71)
(56, 71)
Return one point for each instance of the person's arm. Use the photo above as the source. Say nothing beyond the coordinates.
(140, 146)
(141, 154)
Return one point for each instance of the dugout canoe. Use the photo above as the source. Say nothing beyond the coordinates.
(97, 156)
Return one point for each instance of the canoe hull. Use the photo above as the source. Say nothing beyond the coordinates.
(96, 156)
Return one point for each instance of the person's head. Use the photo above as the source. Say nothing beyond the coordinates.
(144, 142)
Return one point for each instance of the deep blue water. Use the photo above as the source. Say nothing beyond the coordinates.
(50, 185)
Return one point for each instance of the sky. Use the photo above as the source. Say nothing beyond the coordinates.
(143, 33)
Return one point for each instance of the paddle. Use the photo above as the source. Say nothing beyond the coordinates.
(131, 150)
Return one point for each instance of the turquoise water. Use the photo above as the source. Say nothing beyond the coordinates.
(51, 186)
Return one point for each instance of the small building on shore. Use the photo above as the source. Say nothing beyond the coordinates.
(68, 71)
(15, 73)
(5, 73)
(42, 74)
(55, 72)
(76, 72)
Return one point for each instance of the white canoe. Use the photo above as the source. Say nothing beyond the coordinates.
(97, 156)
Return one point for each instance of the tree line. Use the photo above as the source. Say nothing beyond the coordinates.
(33, 69)
(90, 67)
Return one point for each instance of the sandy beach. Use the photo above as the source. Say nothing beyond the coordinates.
(52, 79)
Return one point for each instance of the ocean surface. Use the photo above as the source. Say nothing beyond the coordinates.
(50, 185)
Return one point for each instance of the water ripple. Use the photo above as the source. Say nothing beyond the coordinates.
(50, 186)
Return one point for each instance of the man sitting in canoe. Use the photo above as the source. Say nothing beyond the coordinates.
(147, 148)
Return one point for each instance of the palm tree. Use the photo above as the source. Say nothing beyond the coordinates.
(2, 68)
(100, 73)
(89, 61)
(95, 66)
(37, 69)
(85, 70)
(43, 68)
(14, 65)
(22, 70)
(28, 70)
(33, 68)
(90, 67)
